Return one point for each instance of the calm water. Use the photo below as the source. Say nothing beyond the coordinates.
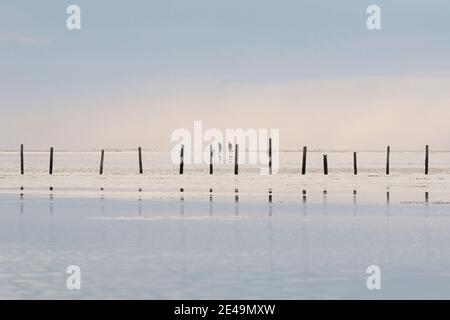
(213, 248)
(164, 236)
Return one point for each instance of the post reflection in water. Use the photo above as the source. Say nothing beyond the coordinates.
(426, 203)
(236, 202)
(102, 204)
(181, 202)
(51, 201)
(210, 228)
(304, 201)
(355, 195)
(325, 198)
(270, 202)
(139, 206)
(388, 202)
(210, 201)
(21, 200)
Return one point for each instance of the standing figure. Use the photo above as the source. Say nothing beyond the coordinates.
(230, 152)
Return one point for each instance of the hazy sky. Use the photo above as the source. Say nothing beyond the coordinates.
(139, 69)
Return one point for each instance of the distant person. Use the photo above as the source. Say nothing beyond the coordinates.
(230, 152)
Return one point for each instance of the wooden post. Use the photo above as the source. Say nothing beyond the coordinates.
(388, 153)
(141, 169)
(210, 159)
(427, 149)
(50, 171)
(236, 165)
(102, 158)
(355, 164)
(325, 164)
(270, 155)
(304, 160)
(22, 166)
(182, 159)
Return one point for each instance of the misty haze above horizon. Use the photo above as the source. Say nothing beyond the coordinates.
(137, 71)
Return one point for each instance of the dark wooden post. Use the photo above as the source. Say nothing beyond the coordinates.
(388, 153)
(50, 171)
(141, 169)
(182, 159)
(236, 165)
(22, 166)
(102, 158)
(210, 159)
(270, 156)
(304, 161)
(355, 164)
(427, 149)
(325, 164)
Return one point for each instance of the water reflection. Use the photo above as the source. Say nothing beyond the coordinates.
(307, 206)
(51, 201)
(139, 206)
(210, 201)
(304, 202)
(102, 205)
(236, 202)
(21, 201)
(388, 201)
(270, 202)
(181, 202)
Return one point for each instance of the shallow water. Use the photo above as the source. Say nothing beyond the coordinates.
(196, 249)
(164, 236)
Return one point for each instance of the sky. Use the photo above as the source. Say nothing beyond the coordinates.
(137, 70)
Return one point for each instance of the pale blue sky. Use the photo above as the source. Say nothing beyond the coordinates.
(138, 66)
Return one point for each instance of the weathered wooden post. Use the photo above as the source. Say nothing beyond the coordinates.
(304, 160)
(22, 166)
(427, 149)
(388, 153)
(236, 165)
(355, 164)
(141, 169)
(102, 158)
(325, 164)
(182, 159)
(270, 156)
(50, 171)
(210, 159)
